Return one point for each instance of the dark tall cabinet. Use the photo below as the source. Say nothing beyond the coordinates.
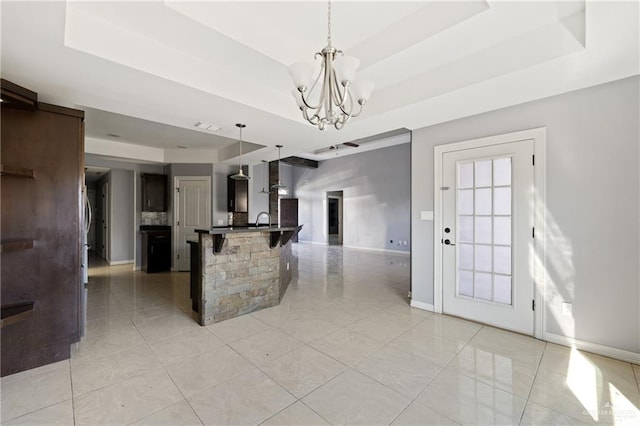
(237, 195)
(41, 185)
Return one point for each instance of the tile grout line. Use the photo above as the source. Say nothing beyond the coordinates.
(535, 376)
(444, 367)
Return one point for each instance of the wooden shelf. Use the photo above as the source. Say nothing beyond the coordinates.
(15, 245)
(16, 172)
(16, 312)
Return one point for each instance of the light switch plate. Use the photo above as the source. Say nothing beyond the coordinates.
(220, 222)
(426, 215)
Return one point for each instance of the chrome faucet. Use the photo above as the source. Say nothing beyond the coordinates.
(258, 218)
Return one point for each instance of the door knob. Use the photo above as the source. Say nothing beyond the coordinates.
(449, 243)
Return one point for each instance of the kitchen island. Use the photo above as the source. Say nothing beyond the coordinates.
(238, 270)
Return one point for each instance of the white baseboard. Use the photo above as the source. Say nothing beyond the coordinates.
(400, 252)
(312, 242)
(595, 348)
(120, 262)
(421, 305)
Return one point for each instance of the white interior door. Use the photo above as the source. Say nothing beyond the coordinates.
(193, 207)
(486, 235)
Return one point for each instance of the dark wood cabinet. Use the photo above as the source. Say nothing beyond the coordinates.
(289, 214)
(156, 248)
(41, 179)
(237, 195)
(154, 193)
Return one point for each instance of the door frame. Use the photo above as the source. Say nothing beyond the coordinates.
(539, 136)
(340, 198)
(106, 226)
(176, 212)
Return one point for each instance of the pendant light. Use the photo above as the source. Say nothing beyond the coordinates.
(265, 178)
(278, 185)
(240, 175)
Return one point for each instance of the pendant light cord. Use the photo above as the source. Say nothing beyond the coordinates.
(240, 149)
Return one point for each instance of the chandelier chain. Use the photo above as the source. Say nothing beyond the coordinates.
(329, 22)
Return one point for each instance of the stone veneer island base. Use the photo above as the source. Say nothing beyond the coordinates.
(241, 270)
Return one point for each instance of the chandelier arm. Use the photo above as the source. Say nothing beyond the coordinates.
(354, 115)
(311, 120)
(341, 96)
(305, 101)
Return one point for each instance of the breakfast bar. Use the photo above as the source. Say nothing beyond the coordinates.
(238, 270)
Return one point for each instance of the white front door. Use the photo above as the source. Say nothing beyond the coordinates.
(193, 207)
(486, 235)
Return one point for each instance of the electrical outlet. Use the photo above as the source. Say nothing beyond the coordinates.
(220, 222)
(567, 309)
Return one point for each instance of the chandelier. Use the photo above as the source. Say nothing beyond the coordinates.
(329, 99)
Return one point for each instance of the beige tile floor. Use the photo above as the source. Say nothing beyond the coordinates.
(343, 347)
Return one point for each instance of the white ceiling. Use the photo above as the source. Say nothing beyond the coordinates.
(148, 71)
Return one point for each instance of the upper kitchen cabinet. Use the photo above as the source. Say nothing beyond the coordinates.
(237, 195)
(154, 193)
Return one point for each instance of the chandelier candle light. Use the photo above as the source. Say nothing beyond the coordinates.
(332, 104)
(240, 175)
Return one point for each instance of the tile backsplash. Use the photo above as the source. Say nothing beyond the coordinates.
(154, 218)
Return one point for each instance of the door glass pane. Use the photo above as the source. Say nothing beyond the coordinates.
(483, 173)
(483, 286)
(483, 230)
(502, 201)
(502, 292)
(465, 175)
(466, 256)
(483, 201)
(465, 229)
(465, 201)
(502, 171)
(502, 260)
(502, 230)
(483, 258)
(484, 245)
(465, 287)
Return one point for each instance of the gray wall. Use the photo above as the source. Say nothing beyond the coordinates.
(122, 227)
(593, 206)
(137, 169)
(258, 202)
(376, 186)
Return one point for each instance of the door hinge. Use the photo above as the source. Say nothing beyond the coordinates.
(178, 190)
(178, 256)
(533, 160)
(533, 232)
(533, 305)
(444, 188)
(177, 223)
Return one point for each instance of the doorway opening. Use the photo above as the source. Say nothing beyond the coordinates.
(335, 229)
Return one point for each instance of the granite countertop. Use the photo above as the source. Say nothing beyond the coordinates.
(241, 229)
